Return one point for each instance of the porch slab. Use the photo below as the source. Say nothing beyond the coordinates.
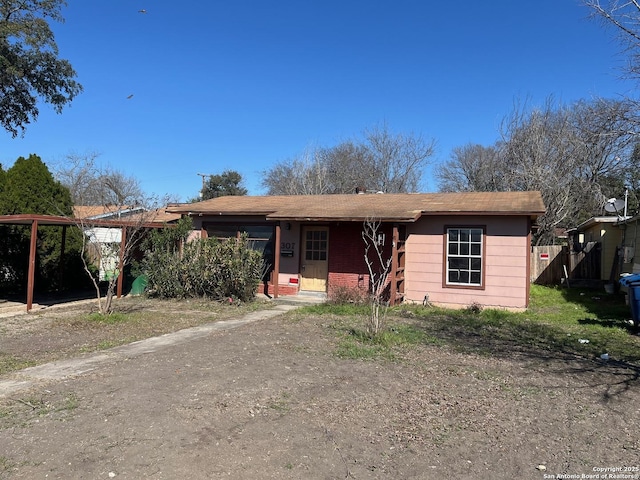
(303, 298)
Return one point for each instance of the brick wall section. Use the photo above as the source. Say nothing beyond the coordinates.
(348, 280)
(347, 267)
(282, 289)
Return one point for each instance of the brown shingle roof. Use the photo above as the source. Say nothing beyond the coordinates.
(110, 212)
(403, 207)
(87, 211)
(159, 215)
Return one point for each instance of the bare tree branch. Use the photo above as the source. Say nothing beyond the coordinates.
(380, 161)
(92, 184)
(379, 269)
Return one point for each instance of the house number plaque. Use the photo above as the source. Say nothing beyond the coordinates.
(286, 249)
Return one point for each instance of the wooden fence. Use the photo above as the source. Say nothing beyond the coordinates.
(547, 263)
(550, 264)
(586, 263)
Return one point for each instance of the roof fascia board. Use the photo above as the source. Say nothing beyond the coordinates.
(341, 219)
(26, 219)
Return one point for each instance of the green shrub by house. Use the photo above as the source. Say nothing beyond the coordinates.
(206, 268)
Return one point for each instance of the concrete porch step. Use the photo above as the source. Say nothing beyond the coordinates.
(303, 298)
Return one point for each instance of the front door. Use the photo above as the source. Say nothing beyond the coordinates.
(315, 266)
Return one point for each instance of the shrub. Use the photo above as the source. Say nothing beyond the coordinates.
(204, 268)
(341, 295)
(474, 308)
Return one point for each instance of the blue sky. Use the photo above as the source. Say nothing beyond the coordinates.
(244, 84)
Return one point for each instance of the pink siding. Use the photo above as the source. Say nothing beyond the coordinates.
(505, 262)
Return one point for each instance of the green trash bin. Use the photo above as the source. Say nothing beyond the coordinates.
(139, 285)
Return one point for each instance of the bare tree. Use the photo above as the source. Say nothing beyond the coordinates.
(397, 160)
(379, 268)
(346, 167)
(538, 153)
(568, 153)
(624, 17)
(605, 129)
(77, 173)
(380, 161)
(605, 146)
(472, 168)
(303, 175)
(119, 188)
(110, 242)
(92, 184)
(113, 229)
(575, 155)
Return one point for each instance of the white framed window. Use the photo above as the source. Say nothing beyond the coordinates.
(464, 260)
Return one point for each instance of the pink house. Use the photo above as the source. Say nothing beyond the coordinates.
(452, 249)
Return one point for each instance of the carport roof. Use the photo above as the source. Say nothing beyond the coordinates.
(400, 207)
(154, 219)
(28, 219)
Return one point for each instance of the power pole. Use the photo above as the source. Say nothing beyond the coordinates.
(203, 175)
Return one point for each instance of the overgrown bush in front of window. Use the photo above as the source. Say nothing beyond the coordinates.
(202, 268)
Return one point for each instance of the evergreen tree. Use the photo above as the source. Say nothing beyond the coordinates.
(5, 277)
(228, 182)
(29, 188)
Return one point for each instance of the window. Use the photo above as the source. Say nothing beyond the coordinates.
(260, 238)
(222, 232)
(464, 256)
(316, 245)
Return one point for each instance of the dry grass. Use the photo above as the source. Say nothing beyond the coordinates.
(67, 331)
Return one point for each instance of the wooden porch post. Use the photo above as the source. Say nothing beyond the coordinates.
(123, 240)
(276, 262)
(32, 264)
(394, 266)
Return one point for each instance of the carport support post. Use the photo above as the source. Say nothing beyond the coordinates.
(32, 264)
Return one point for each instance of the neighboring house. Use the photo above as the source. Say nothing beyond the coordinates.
(630, 251)
(594, 249)
(104, 241)
(451, 249)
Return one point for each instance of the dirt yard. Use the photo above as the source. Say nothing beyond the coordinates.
(272, 400)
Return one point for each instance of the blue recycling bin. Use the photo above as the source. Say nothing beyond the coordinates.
(632, 282)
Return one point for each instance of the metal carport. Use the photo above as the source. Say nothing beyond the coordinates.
(36, 220)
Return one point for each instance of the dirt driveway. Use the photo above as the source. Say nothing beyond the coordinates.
(270, 399)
